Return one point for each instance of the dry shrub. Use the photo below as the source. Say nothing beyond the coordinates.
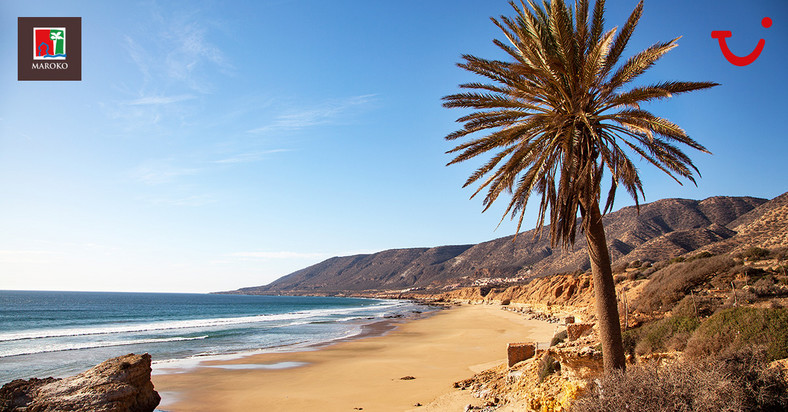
(780, 253)
(662, 264)
(635, 275)
(766, 388)
(731, 329)
(649, 271)
(739, 297)
(670, 284)
(618, 268)
(723, 281)
(766, 286)
(735, 382)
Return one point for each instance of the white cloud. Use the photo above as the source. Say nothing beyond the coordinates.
(176, 50)
(155, 174)
(189, 51)
(157, 100)
(248, 157)
(139, 56)
(326, 113)
(186, 200)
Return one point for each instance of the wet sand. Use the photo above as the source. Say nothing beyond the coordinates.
(361, 373)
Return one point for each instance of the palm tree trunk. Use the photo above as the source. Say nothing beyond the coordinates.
(604, 291)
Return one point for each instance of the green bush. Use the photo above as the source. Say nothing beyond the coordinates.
(755, 253)
(701, 255)
(662, 335)
(698, 306)
(731, 329)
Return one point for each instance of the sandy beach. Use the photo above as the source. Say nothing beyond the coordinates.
(362, 373)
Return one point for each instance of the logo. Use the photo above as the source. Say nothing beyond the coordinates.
(49, 48)
(49, 43)
(721, 35)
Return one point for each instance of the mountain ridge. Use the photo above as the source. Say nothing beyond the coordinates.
(661, 230)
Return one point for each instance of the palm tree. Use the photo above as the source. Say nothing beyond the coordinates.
(558, 115)
(55, 36)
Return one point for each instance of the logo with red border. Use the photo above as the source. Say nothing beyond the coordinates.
(49, 43)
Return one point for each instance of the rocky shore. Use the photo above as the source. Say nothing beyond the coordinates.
(121, 384)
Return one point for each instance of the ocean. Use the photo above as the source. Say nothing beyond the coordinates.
(63, 333)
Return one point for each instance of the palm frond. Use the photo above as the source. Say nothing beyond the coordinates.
(639, 63)
(597, 23)
(559, 115)
(623, 37)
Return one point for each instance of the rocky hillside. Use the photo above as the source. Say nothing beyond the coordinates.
(661, 230)
(766, 226)
(390, 269)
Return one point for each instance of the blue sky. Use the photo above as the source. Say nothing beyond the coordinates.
(216, 145)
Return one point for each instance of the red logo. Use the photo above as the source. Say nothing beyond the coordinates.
(721, 35)
(49, 43)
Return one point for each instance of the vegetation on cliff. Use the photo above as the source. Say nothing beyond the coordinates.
(720, 343)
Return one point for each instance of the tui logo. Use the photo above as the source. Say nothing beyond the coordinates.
(721, 35)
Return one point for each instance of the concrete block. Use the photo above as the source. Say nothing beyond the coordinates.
(518, 352)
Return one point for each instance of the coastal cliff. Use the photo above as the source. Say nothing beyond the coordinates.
(560, 290)
(118, 384)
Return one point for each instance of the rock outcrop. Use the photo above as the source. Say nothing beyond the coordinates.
(121, 384)
(548, 295)
(529, 385)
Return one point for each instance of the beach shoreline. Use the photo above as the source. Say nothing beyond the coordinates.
(363, 372)
(227, 360)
